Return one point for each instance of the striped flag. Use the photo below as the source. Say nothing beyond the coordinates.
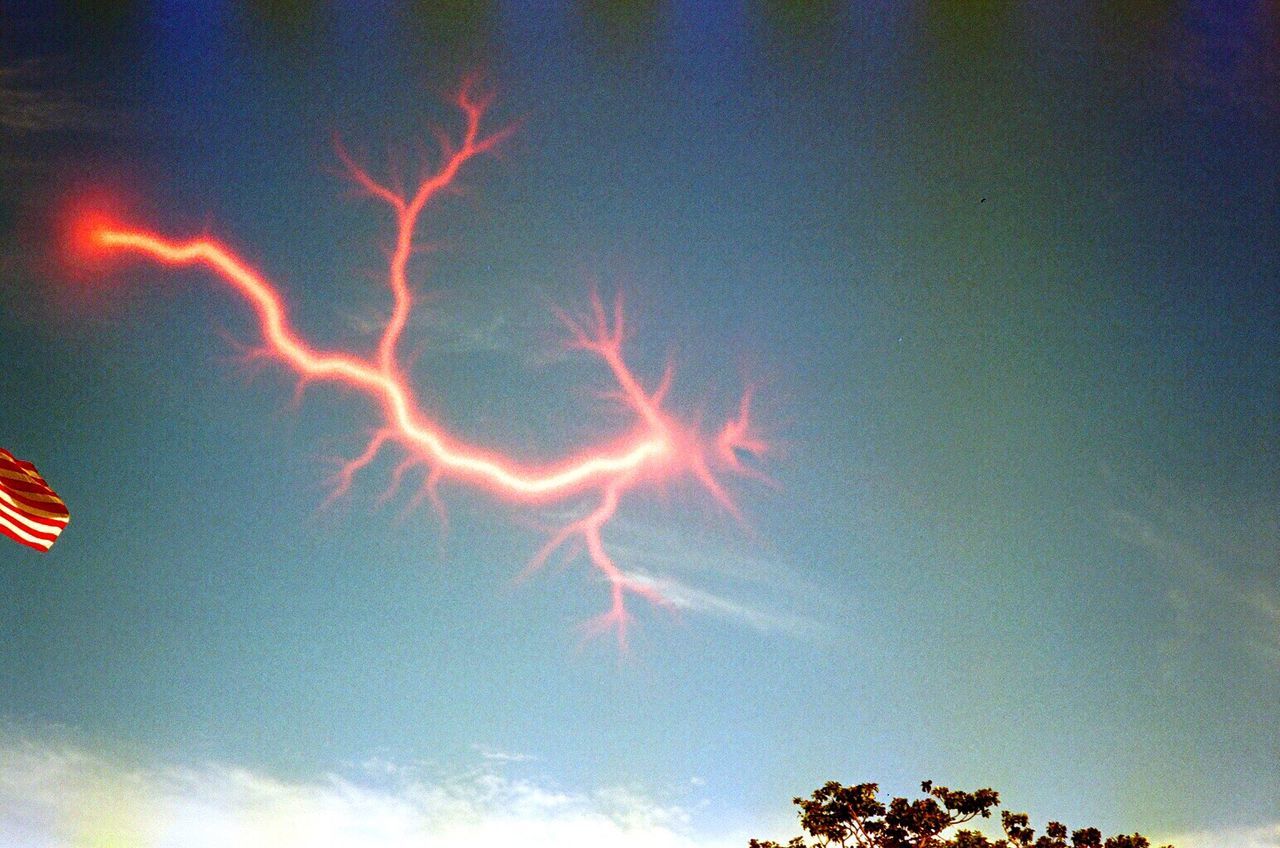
(30, 513)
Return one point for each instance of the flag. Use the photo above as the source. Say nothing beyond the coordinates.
(30, 513)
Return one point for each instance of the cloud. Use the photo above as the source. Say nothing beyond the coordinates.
(495, 755)
(1221, 560)
(37, 105)
(61, 794)
(33, 102)
(708, 575)
(685, 597)
(26, 107)
(441, 331)
(1267, 836)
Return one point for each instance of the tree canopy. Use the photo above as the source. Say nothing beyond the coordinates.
(854, 817)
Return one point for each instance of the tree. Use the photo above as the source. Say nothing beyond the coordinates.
(854, 817)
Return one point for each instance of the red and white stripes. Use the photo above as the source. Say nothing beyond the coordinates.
(31, 513)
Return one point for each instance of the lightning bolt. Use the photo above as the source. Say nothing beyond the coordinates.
(657, 448)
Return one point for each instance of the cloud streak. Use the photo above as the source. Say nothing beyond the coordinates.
(1267, 836)
(1221, 564)
(689, 598)
(38, 106)
(444, 332)
(26, 107)
(60, 794)
(33, 102)
(706, 576)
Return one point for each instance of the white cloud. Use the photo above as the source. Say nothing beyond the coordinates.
(704, 575)
(682, 596)
(496, 755)
(1220, 560)
(59, 794)
(1267, 836)
(442, 331)
(707, 575)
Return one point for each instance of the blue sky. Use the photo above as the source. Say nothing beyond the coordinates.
(1006, 281)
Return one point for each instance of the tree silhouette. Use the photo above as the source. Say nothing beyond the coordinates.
(854, 817)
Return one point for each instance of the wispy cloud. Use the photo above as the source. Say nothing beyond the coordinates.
(495, 755)
(60, 794)
(1267, 836)
(706, 575)
(29, 104)
(1222, 561)
(42, 109)
(36, 103)
(685, 597)
(444, 331)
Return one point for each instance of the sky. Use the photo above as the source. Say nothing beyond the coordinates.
(1003, 279)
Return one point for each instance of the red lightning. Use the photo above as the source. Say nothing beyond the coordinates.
(659, 447)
